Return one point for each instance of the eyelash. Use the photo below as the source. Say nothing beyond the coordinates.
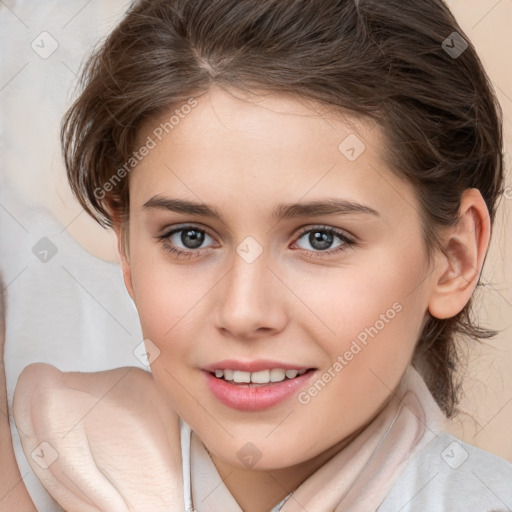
(190, 253)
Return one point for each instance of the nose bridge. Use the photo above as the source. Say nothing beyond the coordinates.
(251, 302)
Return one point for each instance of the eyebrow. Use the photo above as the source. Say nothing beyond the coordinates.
(328, 206)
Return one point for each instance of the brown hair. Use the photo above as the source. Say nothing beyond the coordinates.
(396, 62)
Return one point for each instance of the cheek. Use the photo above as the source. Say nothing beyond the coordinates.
(356, 298)
(167, 303)
(174, 303)
(370, 315)
(377, 320)
(163, 293)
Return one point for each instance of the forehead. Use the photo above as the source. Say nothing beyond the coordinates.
(264, 149)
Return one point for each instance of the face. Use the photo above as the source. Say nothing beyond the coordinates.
(267, 243)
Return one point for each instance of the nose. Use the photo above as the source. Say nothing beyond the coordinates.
(251, 300)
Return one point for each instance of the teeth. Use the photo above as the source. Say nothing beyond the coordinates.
(239, 376)
(277, 375)
(261, 377)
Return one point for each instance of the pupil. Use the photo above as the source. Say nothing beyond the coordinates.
(320, 239)
(195, 238)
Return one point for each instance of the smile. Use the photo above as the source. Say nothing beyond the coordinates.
(257, 385)
(261, 377)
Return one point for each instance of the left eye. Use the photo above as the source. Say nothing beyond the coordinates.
(322, 239)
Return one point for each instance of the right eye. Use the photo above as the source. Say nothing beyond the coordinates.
(185, 242)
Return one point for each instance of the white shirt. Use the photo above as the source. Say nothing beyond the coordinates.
(447, 476)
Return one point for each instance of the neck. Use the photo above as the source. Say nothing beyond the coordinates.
(260, 490)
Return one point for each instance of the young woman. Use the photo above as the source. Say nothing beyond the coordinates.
(303, 195)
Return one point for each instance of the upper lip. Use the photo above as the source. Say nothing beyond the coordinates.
(253, 366)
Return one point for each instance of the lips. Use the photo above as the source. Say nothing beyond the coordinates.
(255, 385)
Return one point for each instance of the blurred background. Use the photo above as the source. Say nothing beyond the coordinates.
(487, 404)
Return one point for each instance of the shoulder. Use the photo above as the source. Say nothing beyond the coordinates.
(451, 475)
(112, 431)
(45, 375)
(43, 388)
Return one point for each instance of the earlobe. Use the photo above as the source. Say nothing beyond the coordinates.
(459, 265)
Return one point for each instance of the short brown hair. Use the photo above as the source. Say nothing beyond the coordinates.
(406, 64)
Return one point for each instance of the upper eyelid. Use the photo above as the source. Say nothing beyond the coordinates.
(176, 229)
(338, 231)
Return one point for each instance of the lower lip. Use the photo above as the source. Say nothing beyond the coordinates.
(254, 398)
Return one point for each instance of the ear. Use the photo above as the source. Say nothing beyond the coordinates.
(124, 259)
(459, 264)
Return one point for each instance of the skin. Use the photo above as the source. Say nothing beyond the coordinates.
(294, 303)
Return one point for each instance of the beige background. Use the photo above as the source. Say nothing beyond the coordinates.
(488, 379)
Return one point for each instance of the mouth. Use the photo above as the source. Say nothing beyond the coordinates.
(255, 386)
(259, 378)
